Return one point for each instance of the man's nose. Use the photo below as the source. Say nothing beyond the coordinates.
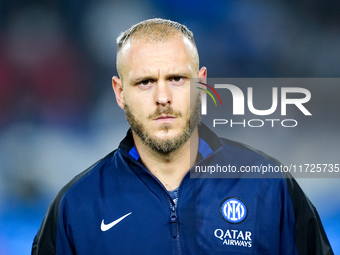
(163, 94)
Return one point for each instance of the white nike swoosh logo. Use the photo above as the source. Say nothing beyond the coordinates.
(105, 227)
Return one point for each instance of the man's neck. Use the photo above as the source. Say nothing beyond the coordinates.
(169, 169)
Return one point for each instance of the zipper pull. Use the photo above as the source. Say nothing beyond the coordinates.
(173, 222)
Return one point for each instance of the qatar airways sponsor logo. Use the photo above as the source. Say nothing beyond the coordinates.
(238, 105)
(234, 237)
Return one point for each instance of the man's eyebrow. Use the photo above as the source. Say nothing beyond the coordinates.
(143, 78)
(178, 74)
(170, 75)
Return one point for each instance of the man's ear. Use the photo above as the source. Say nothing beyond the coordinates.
(202, 77)
(117, 86)
(202, 74)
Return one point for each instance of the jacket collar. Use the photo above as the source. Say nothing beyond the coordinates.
(208, 143)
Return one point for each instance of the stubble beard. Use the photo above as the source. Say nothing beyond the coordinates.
(162, 146)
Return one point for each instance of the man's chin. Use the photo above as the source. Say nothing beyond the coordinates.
(166, 135)
(164, 129)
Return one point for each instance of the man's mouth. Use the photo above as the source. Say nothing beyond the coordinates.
(164, 118)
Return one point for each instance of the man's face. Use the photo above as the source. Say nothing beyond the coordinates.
(156, 92)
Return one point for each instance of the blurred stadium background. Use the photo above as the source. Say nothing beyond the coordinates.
(58, 113)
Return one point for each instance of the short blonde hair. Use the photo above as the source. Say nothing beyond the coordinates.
(154, 30)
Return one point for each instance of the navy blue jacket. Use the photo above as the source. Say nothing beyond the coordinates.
(118, 207)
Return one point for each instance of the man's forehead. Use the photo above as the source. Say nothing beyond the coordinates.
(159, 61)
(140, 45)
(136, 42)
(126, 57)
(162, 71)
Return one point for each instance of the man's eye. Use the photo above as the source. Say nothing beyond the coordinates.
(144, 83)
(177, 79)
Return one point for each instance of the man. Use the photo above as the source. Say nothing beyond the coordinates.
(140, 198)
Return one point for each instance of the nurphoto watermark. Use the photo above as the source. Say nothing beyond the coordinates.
(289, 119)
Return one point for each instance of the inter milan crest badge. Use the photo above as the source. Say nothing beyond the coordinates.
(233, 210)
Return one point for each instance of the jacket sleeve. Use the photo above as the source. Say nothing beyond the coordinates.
(310, 235)
(52, 237)
(45, 240)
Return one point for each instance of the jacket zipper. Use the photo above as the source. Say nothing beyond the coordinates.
(173, 221)
(173, 212)
(173, 207)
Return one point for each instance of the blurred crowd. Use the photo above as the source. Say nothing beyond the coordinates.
(57, 112)
(56, 56)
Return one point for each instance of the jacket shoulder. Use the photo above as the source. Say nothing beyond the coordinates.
(250, 149)
(45, 240)
(310, 236)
